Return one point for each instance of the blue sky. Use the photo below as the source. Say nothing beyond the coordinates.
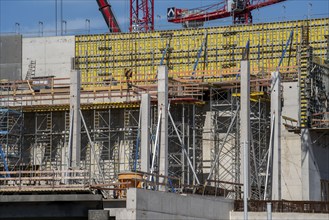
(28, 14)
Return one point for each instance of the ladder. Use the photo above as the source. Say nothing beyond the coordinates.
(44, 136)
(130, 135)
(31, 71)
(304, 56)
(48, 149)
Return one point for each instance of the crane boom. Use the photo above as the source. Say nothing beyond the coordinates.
(239, 9)
(108, 15)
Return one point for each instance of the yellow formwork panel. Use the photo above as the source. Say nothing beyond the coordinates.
(111, 56)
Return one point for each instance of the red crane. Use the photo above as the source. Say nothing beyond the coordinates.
(141, 15)
(240, 10)
(108, 15)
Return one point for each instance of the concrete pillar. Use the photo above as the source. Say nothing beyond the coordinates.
(276, 110)
(145, 132)
(163, 107)
(245, 123)
(74, 149)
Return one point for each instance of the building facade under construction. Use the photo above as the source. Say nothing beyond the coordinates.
(82, 113)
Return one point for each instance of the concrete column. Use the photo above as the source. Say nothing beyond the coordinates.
(245, 122)
(163, 107)
(276, 110)
(74, 149)
(145, 132)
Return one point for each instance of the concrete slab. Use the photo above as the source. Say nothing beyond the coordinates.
(49, 198)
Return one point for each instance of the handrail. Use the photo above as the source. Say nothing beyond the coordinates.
(44, 180)
(52, 92)
(284, 206)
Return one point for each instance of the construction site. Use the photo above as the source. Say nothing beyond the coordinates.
(226, 122)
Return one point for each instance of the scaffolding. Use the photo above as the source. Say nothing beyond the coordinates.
(185, 140)
(102, 138)
(11, 128)
(260, 138)
(224, 135)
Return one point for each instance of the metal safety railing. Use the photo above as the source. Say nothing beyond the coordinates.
(20, 181)
(142, 180)
(320, 120)
(53, 94)
(284, 206)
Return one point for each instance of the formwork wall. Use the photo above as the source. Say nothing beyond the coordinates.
(110, 56)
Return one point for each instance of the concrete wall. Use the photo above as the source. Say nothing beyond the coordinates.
(311, 189)
(304, 157)
(146, 204)
(276, 215)
(52, 55)
(320, 148)
(291, 180)
(11, 57)
(315, 157)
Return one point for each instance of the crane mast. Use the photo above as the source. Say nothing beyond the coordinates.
(240, 10)
(141, 15)
(108, 15)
